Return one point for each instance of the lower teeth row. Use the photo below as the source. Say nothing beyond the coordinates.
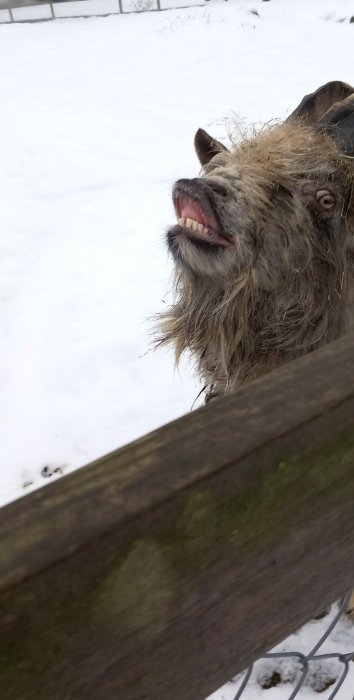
(193, 225)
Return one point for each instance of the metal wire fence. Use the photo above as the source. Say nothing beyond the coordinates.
(43, 10)
(304, 663)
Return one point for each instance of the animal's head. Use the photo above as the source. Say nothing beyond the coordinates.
(277, 202)
(264, 243)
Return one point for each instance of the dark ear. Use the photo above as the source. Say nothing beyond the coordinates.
(315, 105)
(338, 122)
(206, 147)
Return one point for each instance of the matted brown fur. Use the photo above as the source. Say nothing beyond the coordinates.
(285, 284)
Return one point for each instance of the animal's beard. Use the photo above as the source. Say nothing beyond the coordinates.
(239, 330)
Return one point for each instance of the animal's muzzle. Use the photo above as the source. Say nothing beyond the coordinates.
(199, 200)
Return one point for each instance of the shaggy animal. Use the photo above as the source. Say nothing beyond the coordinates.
(264, 244)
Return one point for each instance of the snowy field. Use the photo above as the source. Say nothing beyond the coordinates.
(97, 121)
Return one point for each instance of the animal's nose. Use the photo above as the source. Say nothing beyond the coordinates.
(190, 182)
(187, 188)
(201, 185)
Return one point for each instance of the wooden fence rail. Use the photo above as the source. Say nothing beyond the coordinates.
(164, 568)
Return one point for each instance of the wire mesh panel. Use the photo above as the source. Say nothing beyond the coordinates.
(40, 11)
(292, 673)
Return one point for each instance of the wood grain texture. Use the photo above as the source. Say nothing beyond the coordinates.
(164, 568)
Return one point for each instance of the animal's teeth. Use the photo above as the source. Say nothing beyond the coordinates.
(193, 225)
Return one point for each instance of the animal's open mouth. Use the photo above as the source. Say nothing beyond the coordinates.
(195, 215)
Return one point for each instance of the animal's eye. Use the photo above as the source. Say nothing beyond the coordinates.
(325, 199)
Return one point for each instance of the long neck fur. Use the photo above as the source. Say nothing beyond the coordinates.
(238, 332)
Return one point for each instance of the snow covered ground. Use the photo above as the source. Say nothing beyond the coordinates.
(97, 121)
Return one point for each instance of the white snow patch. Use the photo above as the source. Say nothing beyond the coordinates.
(98, 118)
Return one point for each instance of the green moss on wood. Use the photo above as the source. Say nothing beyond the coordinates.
(142, 586)
(136, 593)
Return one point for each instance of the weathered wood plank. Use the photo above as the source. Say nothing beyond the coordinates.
(164, 568)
